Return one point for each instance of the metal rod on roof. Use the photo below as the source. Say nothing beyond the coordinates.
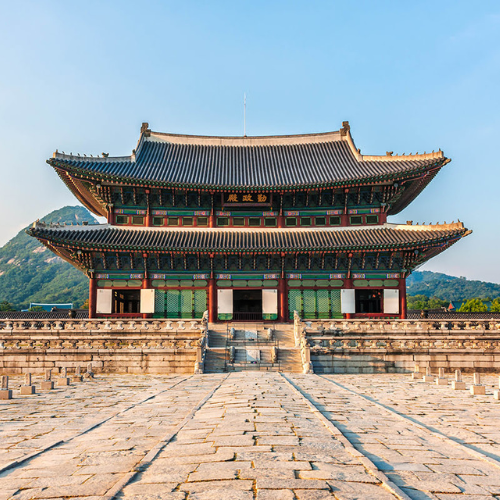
(244, 115)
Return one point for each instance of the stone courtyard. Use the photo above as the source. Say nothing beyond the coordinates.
(251, 435)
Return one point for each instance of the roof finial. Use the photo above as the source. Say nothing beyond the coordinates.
(345, 128)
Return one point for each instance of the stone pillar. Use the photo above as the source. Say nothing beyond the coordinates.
(77, 377)
(5, 392)
(63, 380)
(92, 297)
(477, 388)
(441, 380)
(27, 389)
(458, 384)
(212, 301)
(47, 384)
(402, 298)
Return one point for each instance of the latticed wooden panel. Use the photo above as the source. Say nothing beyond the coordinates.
(172, 303)
(294, 302)
(200, 303)
(186, 303)
(323, 303)
(336, 308)
(309, 311)
(159, 301)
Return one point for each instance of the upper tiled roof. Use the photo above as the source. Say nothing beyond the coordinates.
(209, 239)
(248, 162)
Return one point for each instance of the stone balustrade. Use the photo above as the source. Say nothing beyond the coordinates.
(112, 345)
(374, 326)
(101, 325)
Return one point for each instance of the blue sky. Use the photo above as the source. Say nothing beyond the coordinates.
(82, 76)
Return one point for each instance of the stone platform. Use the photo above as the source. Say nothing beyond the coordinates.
(251, 436)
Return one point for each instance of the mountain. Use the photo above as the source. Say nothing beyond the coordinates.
(449, 287)
(30, 272)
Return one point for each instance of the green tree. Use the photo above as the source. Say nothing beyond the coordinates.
(495, 305)
(418, 302)
(85, 305)
(473, 305)
(36, 309)
(6, 306)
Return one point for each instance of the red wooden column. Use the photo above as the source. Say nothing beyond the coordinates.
(111, 214)
(281, 218)
(283, 294)
(92, 297)
(211, 219)
(146, 284)
(212, 301)
(148, 213)
(402, 298)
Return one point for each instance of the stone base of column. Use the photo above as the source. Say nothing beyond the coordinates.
(46, 385)
(458, 386)
(477, 390)
(441, 381)
(77, 378)
(429, 378)
(62, 381)
(5, 394)
(496, 395)
(27, 390)
(416, 376)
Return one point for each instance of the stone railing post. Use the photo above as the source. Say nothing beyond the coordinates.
(296, 328)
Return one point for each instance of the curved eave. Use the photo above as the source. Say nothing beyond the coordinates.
(418, 184)
(441, 241)
(84, 196)
(60, 251)
(84, 174)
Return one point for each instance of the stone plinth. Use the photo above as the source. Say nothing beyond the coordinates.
(5, 394)
(76, 378)
(477, 390)
(416, 376)
(429, 378)
(458, 385)
(27, 390)
(63, 381)
(46, 385)
(496, 394)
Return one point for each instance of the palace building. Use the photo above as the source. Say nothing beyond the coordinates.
(248, 228)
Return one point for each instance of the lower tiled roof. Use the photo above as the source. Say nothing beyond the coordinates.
(156, 239)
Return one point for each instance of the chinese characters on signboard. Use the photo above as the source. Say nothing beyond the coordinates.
(247, 198)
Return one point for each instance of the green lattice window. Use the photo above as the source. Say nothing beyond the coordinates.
(185, 303)
(312, 304)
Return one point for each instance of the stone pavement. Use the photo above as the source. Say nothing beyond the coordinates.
(251, 435)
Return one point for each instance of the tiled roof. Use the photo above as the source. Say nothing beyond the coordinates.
(43, 315)
(453, 316)
(112, 237)
(248, 162)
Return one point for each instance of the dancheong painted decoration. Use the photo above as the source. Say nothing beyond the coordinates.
(248, 228)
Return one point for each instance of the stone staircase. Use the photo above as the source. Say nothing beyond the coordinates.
(246, 340)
